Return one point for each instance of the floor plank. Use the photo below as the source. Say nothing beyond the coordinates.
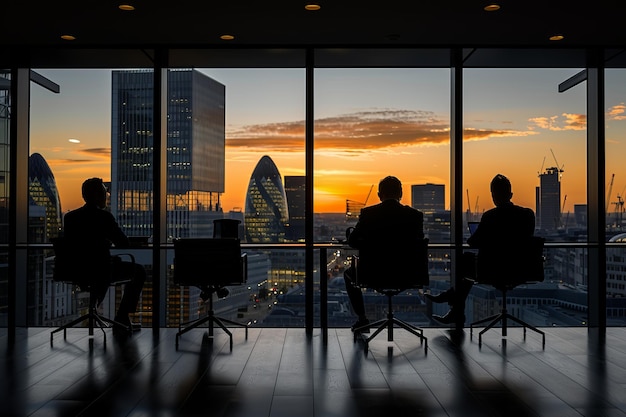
(277, 372)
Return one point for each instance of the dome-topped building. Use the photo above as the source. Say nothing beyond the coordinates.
(43, 192)
(266, 213)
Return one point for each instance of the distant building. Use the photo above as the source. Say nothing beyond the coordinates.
(266, 221)
(42, 191)
(295, 190)
(195, 152)
(548, 199)
(266, 213)
(428, 198)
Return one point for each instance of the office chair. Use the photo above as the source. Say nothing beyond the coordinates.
(390, 269)
(211, 265)
(73, 264)
(505, 268)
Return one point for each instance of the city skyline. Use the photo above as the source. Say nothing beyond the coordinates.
(368, 124)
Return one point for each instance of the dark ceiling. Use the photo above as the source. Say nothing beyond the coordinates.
(339, 23)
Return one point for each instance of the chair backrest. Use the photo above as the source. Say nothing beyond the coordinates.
(77, 263)
(211, 262)
(511, 264)
(393, 266)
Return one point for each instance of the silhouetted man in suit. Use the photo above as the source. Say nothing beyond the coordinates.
(91, 230)
(388, 221)
(500, 228)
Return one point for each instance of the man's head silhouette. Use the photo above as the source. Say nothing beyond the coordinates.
(95, 192)
(501, 190)
(389, 188)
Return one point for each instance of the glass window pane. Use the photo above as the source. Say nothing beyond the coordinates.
(73, 135)
(516, 123)
(236, 151)
(371, 123)
(615, 100)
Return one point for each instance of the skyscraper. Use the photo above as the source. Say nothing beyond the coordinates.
(42, 192)
(548, 195)
(295, 188)
(195, 152)
(266, 213)
(428, 198)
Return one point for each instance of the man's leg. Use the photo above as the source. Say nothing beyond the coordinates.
(132, 289)
(356, 297)
(457, 297)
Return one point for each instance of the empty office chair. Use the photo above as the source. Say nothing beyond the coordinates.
(211, 265)
(74, 264)
(505, 268)
(391, 269)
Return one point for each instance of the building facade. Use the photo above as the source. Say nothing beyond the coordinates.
(266, 213)
(548, 196)
(195, 152)
(295, 190)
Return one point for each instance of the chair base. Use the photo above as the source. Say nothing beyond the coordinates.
(212, 319)
(95, 320)
(502, 317)
(389, 324)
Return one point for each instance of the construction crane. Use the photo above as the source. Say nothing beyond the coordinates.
(560, 170)
(619, 209)
(542, 164)
(469, 206)
(353, 208)
(608, 194)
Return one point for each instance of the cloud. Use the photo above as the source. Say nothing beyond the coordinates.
(617, 112)
(566, 121)
(363, 131)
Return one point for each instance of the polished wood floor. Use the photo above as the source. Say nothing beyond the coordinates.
(281, 372)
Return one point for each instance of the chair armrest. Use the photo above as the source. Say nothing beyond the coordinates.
(130, 256)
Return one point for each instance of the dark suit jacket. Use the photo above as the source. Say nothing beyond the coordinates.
(389, 237)
(388, 222)
(90, 231)
(503, 225)
(506, 249)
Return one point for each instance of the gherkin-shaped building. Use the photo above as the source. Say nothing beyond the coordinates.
(42, 192)
(266, 213)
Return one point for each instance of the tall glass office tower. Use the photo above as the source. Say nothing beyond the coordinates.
(43, 193)
(195, 152)
(295, 190)
(266, 213)
(549, 199)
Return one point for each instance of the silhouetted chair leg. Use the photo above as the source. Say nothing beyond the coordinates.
(94, 320)
(502, 317)
(213, 320)
(389, 324)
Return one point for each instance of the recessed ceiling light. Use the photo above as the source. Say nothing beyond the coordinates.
(492, 7)
(68, 37)
(557, 37)
(312, 7)
(73, 140)
(227, 37)
(126, 7)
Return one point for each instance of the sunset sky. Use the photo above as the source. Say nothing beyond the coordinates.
(369, 123)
